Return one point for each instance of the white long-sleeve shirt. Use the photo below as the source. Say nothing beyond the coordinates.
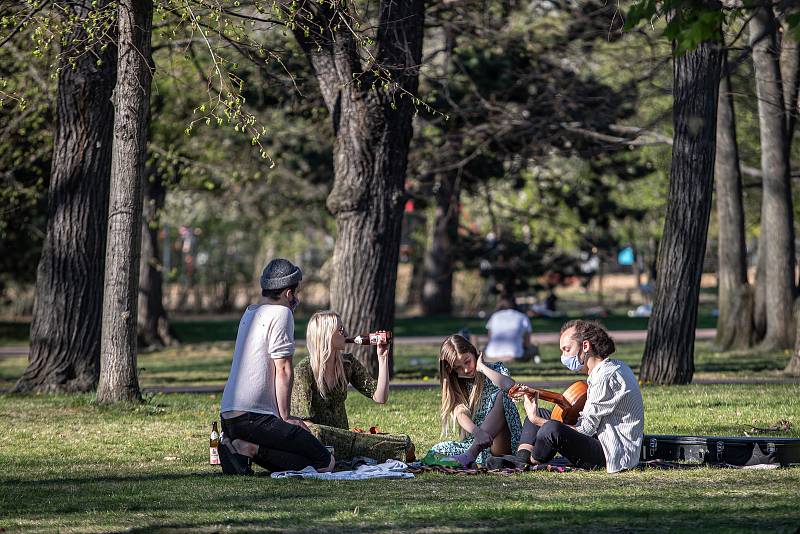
(614, 411)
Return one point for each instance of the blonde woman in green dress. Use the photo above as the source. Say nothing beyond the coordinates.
(320, 391)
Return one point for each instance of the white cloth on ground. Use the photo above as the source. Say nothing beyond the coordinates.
(388, 469)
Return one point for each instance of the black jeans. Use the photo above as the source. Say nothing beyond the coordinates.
(529, 430)
(581, 450)
(281, 446)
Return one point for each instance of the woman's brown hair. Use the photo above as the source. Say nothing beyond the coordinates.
(455, 390)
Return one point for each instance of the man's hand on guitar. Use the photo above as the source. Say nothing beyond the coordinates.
(532, 408)
(521, 391)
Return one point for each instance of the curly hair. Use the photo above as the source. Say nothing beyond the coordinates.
(600, 342)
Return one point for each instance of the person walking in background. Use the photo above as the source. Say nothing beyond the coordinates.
(255, 408)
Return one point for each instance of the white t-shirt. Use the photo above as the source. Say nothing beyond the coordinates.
(266, 332)
(507, 327)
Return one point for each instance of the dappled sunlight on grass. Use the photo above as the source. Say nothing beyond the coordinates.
(87, 468)
(208, 364)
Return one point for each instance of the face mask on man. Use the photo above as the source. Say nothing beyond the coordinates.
(571, 362)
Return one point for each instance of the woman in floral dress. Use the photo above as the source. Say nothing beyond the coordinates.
(476, 403)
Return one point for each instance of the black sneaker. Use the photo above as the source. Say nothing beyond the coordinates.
(232, 462)
(509, 461)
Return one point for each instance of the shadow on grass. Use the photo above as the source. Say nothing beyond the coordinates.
(752, 361)
(183, 502)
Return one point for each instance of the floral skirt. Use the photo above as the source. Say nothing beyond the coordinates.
(454, 448)
(347, 444)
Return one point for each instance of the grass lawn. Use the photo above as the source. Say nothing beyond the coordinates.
(208, 364)
(71, 466)
(198, 330)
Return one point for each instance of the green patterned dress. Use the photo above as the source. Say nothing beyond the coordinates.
(485, 403)
(327, 417)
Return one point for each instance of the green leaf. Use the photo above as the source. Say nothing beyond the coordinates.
(639, 11)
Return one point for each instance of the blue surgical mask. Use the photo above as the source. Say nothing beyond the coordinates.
(571, 362)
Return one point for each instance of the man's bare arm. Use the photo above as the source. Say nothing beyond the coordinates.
(284, 376)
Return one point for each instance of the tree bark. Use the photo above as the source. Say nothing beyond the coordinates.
(735, 301)
(372, 124)
(776, 205)
(65, 332)
(437, 292)
(153, 325)
(790, 76)
(669, 350)
(793, 367)
(760, 293)
(118, 373)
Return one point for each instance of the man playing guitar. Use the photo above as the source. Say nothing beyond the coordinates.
(609, 431)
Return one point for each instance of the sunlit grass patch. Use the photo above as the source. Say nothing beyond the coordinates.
(72, 466)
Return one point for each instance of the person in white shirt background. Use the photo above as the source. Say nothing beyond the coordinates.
(509, 332)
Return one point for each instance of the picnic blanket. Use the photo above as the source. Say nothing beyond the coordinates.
(562, 465)
(388, 469)
(418, 467)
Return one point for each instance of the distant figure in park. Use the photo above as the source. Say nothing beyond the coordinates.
(320, 391)
(255, 404)
(610, 428)
(509, 332)
(475, 401)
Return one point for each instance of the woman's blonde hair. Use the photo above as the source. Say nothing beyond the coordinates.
(319, 338)
(455, 389)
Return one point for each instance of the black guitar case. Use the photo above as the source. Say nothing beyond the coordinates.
(740, 451)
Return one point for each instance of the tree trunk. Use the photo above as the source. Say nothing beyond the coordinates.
(760, 293)
(65, 332)
(118, 373)
(437, 293)
(776, 205)
(793, 367)
(669, 350)
(790, 76)
(735, 302)
(372, 124)
(153, 325)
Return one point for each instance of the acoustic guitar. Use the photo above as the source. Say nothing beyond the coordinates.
(568, 405)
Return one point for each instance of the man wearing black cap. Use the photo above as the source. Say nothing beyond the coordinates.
(255, 404)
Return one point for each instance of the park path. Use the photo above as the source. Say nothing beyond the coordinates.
(541, 338)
